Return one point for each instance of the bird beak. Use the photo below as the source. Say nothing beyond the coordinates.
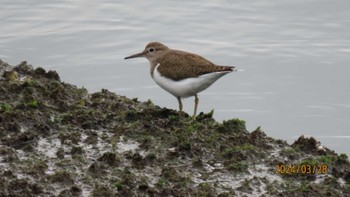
(135, 55)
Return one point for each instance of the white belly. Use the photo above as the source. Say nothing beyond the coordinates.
(186, 87)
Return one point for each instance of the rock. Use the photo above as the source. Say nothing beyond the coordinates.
(57, 139)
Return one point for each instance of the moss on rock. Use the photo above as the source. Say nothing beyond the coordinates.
(57, 139)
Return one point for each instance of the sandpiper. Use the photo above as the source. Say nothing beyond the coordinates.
(181, 73)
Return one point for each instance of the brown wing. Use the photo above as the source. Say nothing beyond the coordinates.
(179, 65)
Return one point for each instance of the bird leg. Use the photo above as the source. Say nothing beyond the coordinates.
(180, 105)
(196, 100)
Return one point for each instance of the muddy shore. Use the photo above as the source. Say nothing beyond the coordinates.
(60, 140)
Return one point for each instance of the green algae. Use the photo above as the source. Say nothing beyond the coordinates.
(235, 125)
(5, 107)
(32, 104)
(61, 176)
(237, 166)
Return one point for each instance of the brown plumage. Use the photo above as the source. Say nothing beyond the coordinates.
(190, 65)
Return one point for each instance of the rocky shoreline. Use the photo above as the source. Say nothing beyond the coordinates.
(59, 140)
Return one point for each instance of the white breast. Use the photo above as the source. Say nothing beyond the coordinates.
(186, 87)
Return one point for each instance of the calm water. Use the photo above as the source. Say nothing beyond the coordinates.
(293, 56)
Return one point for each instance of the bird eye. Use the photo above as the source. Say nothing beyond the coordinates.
(151, 49)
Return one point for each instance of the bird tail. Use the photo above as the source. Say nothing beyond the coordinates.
(226, 68)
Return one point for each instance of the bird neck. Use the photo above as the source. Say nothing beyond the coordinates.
(155, 60)
(153, 66)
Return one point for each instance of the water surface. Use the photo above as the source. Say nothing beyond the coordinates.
(293, 56)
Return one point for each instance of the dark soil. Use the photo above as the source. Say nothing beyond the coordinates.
(59, 140)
